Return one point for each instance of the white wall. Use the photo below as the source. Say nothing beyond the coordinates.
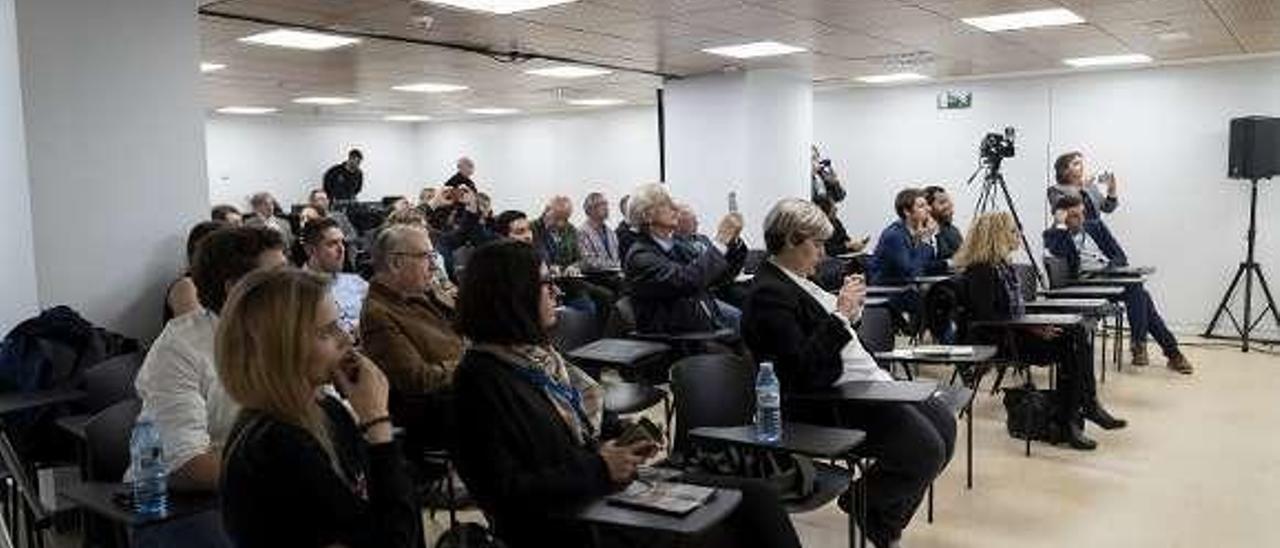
(1162, 130)
(17, 272)
(115, 151)
(521, 161)
(288, 156)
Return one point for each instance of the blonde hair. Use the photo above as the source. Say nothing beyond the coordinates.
(794, 220)
(991, 238)
(263, 347)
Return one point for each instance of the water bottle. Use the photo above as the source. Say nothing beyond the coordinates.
(150, 487)
(768, 405)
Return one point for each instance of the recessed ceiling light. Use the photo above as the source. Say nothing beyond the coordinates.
(1173, 36)
(247, 110)
(498, 6)
(297, 39)
(892, 78)
(599, 102)
(210, 67)
(493, 111)
(1103, 60)
(754, 49)
(429, 87)
(1024, 20)
(568, 71)
(406, 118)
(326, 101)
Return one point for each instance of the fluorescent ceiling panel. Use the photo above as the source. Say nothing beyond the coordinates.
(429, 87)
(326, 101)
(298, 39)
(1106, 60)
(501, 7)
(247, 110)
(1025, 20)
(568, 71)
(754, 49)
(893, 78)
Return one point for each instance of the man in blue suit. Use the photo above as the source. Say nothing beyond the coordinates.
(1069, 239)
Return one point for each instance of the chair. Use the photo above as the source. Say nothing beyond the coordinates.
(755, 258)
(108, 434)
(105, 383)
(575, 329)
(719, 390)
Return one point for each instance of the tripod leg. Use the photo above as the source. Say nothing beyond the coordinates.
(1266, 290)
(1022, 234)
(1226, 301)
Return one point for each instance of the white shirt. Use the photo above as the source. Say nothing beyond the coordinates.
(858, 363)
(1091, 256)
(181, 392)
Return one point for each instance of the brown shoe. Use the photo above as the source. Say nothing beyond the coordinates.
(1140, 355)
(1179, 363)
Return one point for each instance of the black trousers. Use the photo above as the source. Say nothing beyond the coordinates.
(911, 445)
(1077, 386)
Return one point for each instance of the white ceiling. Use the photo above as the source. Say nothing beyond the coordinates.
(845, 38)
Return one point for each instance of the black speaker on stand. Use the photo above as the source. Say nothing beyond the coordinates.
(1254, 155)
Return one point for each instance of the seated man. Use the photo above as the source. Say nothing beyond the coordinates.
(406, 327)
(557, 242)
(1069, 240)
(948, 239)
(598, 244)
(326, 250)
(729, 294)
(513, 224)
(319, 200)
(226, 213)
(178, 383)
(1069, 174)
(626, 234)
(670, 284)
(264, 214)
(905, 249)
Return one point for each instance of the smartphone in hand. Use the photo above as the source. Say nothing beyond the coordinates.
(641, 430)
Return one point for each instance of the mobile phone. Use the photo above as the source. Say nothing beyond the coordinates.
(733, 202)
(641, 430)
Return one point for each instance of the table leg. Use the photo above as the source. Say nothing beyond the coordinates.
(930, 502)
(968, 460)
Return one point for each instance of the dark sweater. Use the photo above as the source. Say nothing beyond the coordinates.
(343, 184)
(518, 457)
(279, 489)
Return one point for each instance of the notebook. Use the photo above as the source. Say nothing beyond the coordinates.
(663, 496)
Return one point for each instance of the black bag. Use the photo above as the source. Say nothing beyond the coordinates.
(468, 535)
(1030, 412)
(790, 476)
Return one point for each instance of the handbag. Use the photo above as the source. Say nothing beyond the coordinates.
(790, 476)
(1030, 413)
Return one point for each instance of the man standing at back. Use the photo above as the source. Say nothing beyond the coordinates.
(466, 168)
(343, 181)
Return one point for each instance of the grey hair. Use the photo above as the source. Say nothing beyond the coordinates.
(593, 199)
(643, 200)
(391, 240)
(793, 221)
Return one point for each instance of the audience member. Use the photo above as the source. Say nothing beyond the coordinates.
(533, 436)
(343, 182)
(995, 293)
(839, 243)
(181, 297)
(557, 242)
(302, 468)
(626, 234)
(598, 245)
(670, 285)
(1069, 240)
(729, 295)
(426, 196)
(326, 250)
(1069, 175)
(413, 217)
(308, 214)
(808, 334)
(514, 225)
(178, 383)
(226, 213)
(406, 326)
(466, 168)
(265, 214)
(905, 249)
(948, 238)
(319, 200)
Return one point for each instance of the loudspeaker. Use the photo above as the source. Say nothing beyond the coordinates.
(1255, 148)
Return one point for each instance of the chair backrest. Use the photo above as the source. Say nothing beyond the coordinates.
(876, 330)
(755, 258)
(461, 256)
(111, 381)
(711, 390)
(1058, 270)
(107, 437)
(574, 328)
(623, 320)
(1028, 280)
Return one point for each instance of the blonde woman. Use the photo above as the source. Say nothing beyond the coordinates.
(300, 469)
(995, 293)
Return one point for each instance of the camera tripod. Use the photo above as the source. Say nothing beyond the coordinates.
(1248, 269)
(994, 188)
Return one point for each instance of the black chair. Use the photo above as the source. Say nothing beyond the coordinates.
(575, 329)
(104, 384)
(719, 390)
(755, 258)
(459, 260)
(108, 434)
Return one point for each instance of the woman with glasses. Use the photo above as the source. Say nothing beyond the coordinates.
(300, 468)
(533, 435)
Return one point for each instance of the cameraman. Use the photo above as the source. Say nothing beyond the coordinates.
(1069, 172)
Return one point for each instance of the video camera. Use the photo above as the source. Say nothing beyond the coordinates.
(996, 147)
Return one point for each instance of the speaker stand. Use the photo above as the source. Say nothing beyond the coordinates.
(1248, 269)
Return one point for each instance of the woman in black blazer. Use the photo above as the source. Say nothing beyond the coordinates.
(809, 336)
(531, 426)
(994, 293)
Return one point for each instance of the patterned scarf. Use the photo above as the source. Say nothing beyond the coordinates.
(578, 398)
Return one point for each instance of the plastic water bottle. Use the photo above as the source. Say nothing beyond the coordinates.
(768, 405)
(150, 485)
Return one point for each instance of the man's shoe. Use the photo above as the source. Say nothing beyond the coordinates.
(1179, 363)
(1074, 436)
(1140, 355)
(1099, 416)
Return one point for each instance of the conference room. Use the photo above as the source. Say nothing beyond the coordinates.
(917, 273)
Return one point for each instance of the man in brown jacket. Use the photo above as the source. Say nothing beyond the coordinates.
(406, 326)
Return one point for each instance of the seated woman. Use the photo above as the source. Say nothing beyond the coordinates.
(531, 426)
(808, 334)
(300, 469)
(671, 284)
(994, 293)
